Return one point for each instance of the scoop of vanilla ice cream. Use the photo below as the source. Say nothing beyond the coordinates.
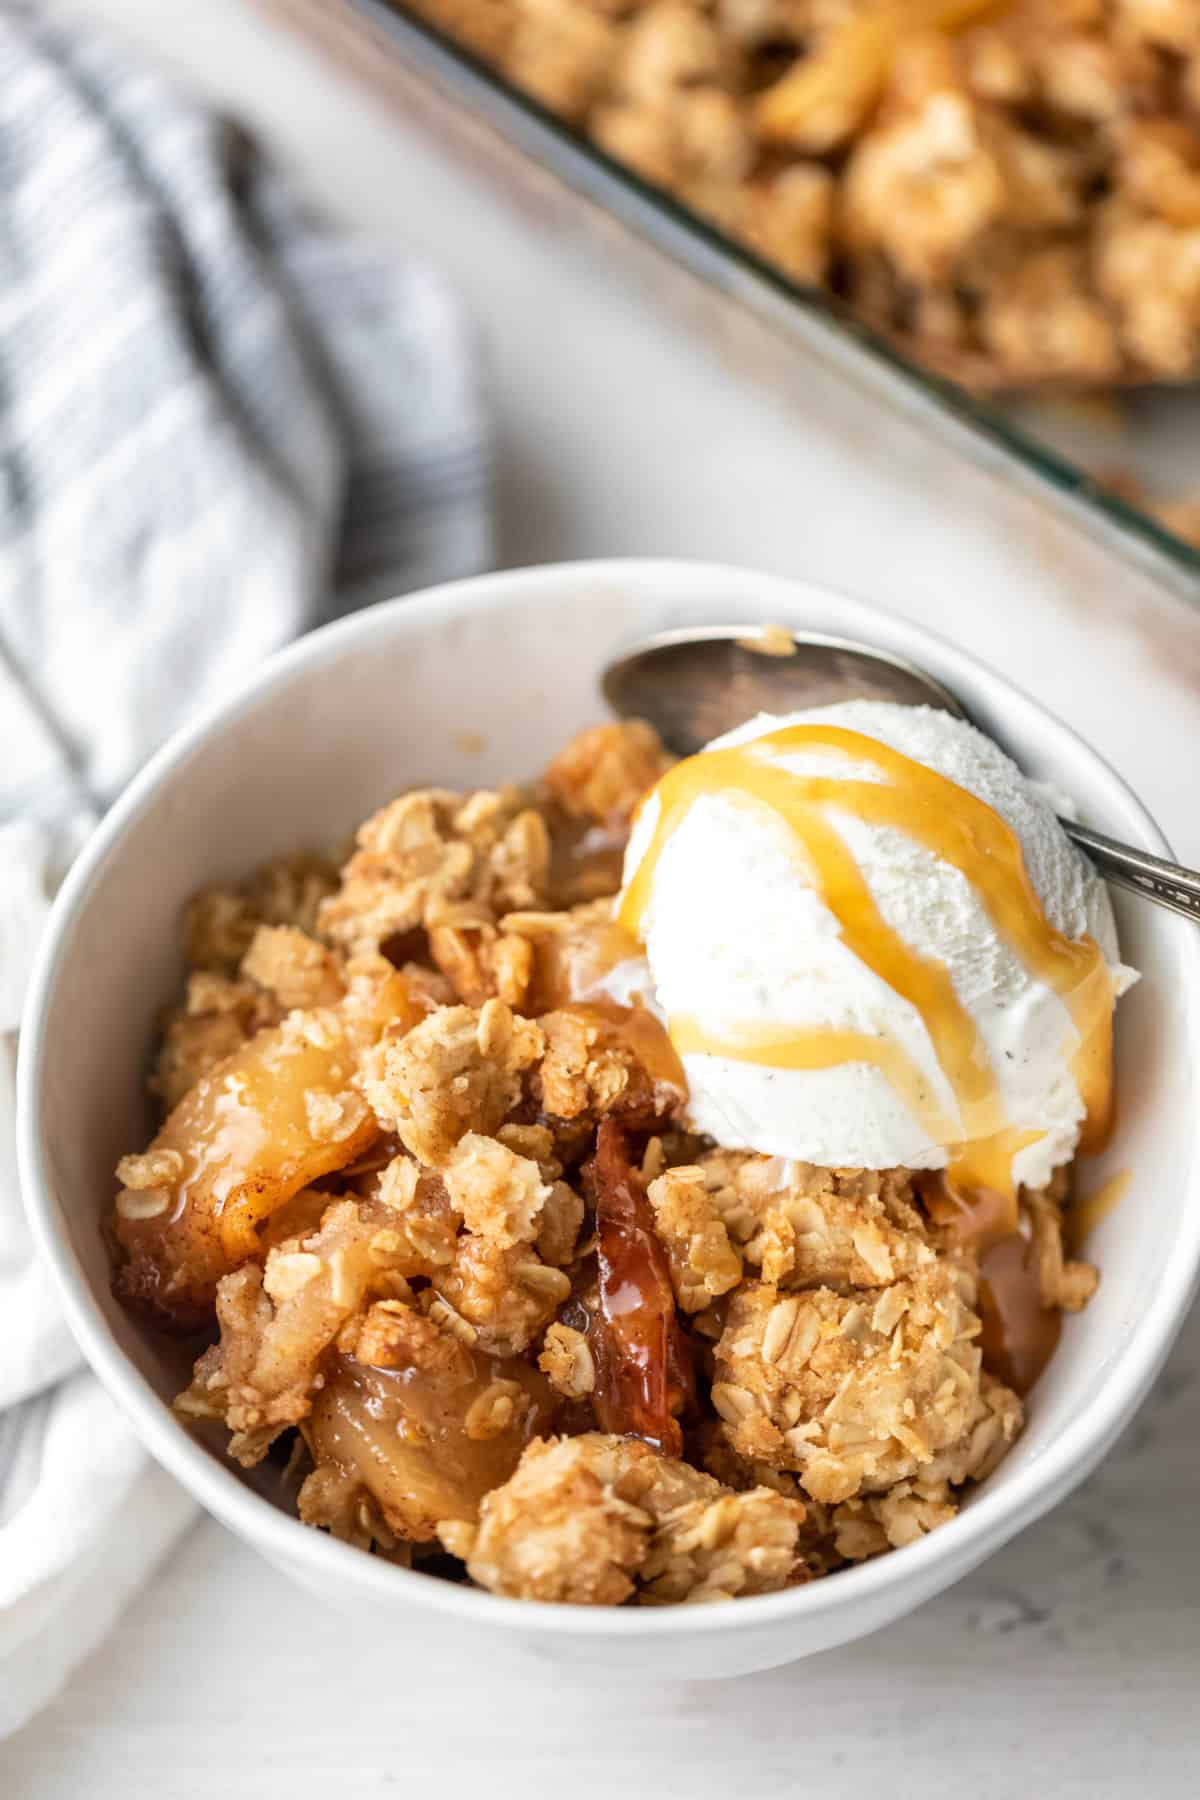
(735, 936)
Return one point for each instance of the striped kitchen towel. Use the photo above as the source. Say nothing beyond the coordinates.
(220, 425)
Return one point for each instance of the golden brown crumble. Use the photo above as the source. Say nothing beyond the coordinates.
(851, 1391)
(559, 1225)
(596, 1519)
(436, 1205)
(458, 1071)
(1010, 192)
(278, 1320)
(590, 1068)
(431, 850)
(293, 967)
(480, 961)
(504, 1296)
(556, 1531)
(603, 773)
(721, 1545)
(704, 1264)
(873, 1523)
(378, 995)
(801, 1226)
(500, 1195)
(568, 1362)
(221, 921)
(420, 1213)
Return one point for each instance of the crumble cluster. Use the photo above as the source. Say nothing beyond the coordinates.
(432, 1205)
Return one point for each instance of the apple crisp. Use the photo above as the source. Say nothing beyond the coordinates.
(424, 1200)
(1008, 189)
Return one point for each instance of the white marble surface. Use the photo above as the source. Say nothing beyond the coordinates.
(1069, 1662)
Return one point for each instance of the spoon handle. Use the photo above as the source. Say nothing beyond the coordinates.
(1167, 882)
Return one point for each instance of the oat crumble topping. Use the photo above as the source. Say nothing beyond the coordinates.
(456, 1254)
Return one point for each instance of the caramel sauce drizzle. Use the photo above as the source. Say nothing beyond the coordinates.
(819, 1047)
(961, 831)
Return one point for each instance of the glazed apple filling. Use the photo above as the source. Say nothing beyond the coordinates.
(424, 1194)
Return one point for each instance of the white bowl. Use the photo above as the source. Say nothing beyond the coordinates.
(400, 695)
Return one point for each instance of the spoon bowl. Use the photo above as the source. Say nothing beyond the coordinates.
(695, 684)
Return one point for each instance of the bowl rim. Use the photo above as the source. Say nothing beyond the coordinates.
(993, 1517)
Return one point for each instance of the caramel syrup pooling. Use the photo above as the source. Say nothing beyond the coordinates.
(961, 831)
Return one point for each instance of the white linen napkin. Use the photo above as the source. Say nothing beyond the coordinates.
(219, 426)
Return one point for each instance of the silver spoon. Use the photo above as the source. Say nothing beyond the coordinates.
(698, 682)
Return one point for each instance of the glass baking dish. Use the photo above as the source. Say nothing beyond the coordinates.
(1064, 452)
